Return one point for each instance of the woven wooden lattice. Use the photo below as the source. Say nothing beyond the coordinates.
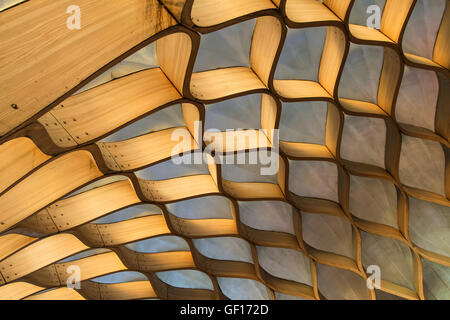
(51, 145)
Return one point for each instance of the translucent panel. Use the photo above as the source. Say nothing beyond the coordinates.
(166, 118)
(417, 99)
(159, 244)
(285, 263)
(46, 290)
(238, 113)
(381, 295)
(359, 14)
(422, 28)
(141, 210)
(436, 281)
(225, 248)
(362, 73)
(267, 215)
(302, 51)
(243, 289)
(247, 172)
(85, 254)
(373, 200)
(120, 277)
(186, 279)
(169, 169)
(142, 59)
(209, 207)
(422, 164)
(96, 184)
(393, 257)
(304, 122)
(5, 4)
(283, 296)
(99, 80)
(316, 179)
(339, 284)
(429, 226)
(228, 47)
(364, 140)
(328, 233)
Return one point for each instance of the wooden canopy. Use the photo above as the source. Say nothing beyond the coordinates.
(52, 144)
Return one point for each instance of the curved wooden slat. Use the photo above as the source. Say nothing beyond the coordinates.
(133, 153)
(92, 204)
(160, 261)
(39, 254)
(117, 102)
(19, 156)
(252, 190)
(46, 185)
(393, 24)
(9, 243)
(203, 227)
(441, 49)
(305, 151)
(215, 85)
(177, 189)
(340, 7)
(113, 234)
(118, 26)
(119, 291)
(18, 290)
(309, 13)
(207, 13)
(90, 267)
(175, 54)
(301, 90)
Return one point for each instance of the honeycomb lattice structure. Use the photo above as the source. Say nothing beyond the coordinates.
(52, 147)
